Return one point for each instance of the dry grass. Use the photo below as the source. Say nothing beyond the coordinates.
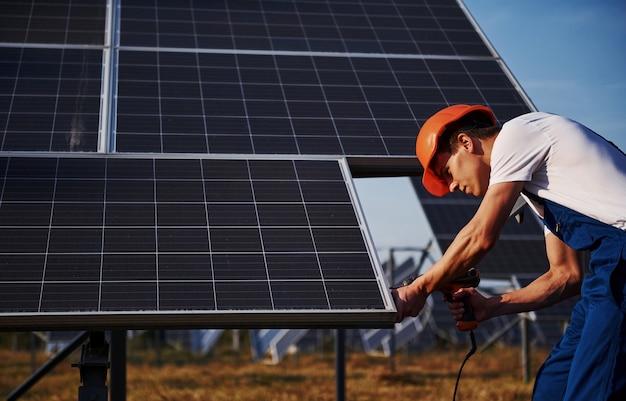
(492, 375)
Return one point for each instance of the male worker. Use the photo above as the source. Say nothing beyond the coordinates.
(576, 182)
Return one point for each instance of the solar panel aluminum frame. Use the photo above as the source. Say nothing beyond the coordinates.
(293, 319)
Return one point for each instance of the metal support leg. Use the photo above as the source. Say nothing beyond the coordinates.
(93, 366)
(391, 268)
(118, 365)
(340, 364)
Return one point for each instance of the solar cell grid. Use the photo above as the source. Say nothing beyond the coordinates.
(332, 98)
(182, 242)
(311, 105)
(257, 102)
(50, 99)
(53, 22)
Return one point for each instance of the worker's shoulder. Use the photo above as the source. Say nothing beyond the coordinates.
(536, 118)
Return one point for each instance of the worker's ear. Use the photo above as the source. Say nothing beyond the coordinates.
(465, 142)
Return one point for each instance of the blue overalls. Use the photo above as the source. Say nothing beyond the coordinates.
(589, 361)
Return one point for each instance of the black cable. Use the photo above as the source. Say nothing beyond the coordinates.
(470, 353)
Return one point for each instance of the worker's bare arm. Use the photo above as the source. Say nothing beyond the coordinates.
(467, 249)
(561, 281)
(477, 237)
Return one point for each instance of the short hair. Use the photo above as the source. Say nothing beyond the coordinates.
(474, 124)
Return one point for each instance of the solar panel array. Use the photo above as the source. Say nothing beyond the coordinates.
(273, 77)
(149, 95)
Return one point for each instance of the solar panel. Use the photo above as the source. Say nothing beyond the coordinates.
(202, 341)
(273, 343)
(306, 77)
(286, 104)
(133, 241)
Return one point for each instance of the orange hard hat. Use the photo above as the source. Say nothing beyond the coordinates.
(428, 140)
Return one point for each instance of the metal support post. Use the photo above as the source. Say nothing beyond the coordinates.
(391, 267)
(93, 366)
(340, 364)
(118, 365)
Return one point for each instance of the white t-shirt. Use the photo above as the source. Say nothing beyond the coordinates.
(565, 162)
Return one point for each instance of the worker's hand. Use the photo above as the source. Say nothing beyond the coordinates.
(477, 302)
(409, 300)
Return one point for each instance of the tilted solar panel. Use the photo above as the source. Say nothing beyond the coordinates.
(195, 242)
(289, 104)
(309, 77)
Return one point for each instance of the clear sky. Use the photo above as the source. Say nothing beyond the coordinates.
(569, 56)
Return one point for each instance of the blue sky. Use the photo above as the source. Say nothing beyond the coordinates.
(569, 56)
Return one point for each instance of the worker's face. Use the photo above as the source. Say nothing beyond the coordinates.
(464, 170)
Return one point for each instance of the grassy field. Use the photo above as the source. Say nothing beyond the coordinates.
(222, 376)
